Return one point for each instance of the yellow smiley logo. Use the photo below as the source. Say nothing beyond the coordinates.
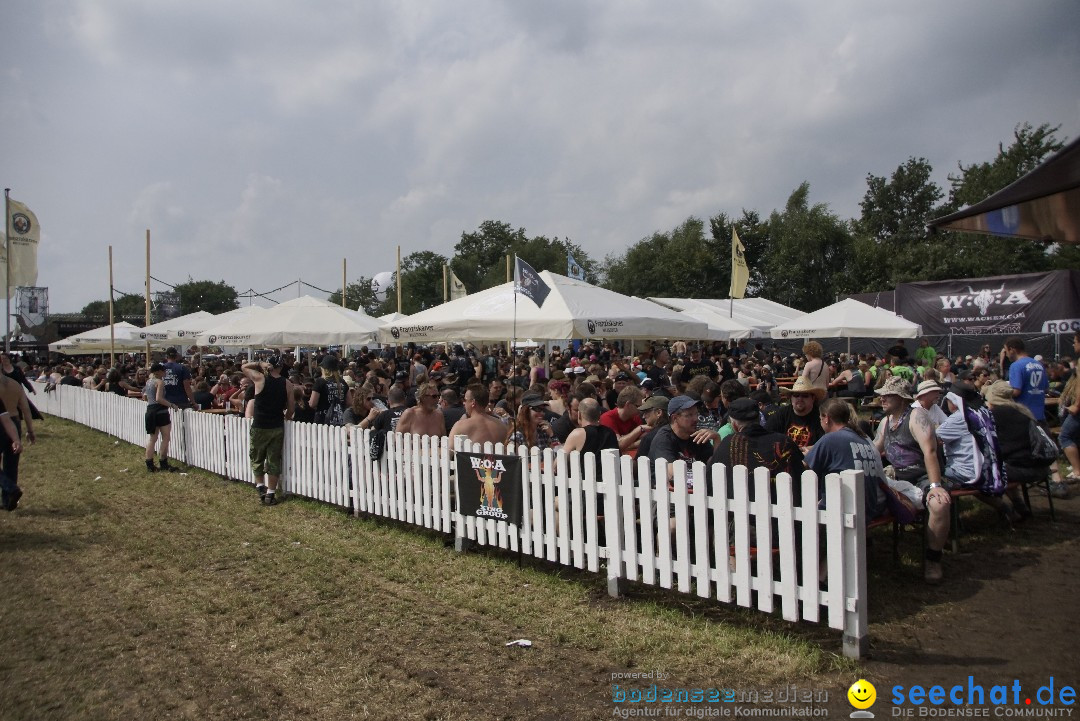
(862, 694)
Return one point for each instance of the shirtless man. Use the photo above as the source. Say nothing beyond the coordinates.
(14, 399)
(425, 418)
(906, 438)
(477, 425)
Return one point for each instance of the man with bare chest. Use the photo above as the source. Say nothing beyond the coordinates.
(477, 425)
(426, 417)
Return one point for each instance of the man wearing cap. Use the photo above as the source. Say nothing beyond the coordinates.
(273, 404)
(800, 420)
(624, 419)
(681, 439)
(653, 411)
(177, 381)
(928, 395)
(478, 426)
(621, 380)
(906, 438)
(752, 446)
(425, 418)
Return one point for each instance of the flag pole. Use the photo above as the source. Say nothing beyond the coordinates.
(147, 348)
(7, 272)
(445, 293)
(397, 279)
(344, 262)
(112, 317)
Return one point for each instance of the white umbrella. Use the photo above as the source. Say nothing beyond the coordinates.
(188, 330)
(721, 327)
(760, 315)
(303, 321)
(96, 340)
(573, 309)
(158, 333)
(848, 319)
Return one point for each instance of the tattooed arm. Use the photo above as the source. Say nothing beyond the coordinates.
(922, 429)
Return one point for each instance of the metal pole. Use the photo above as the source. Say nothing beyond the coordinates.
(7, 272)
(397, 280)
(147, 347)
(112, 317)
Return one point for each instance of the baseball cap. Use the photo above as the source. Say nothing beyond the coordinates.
(533, 400)
(648, 384)
(622, 376)
(653, 402)
(681, 403)
(744, 409)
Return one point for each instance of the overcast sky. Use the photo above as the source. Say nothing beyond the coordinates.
(263, 141)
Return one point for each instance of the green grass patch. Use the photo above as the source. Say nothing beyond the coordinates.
(129, 594)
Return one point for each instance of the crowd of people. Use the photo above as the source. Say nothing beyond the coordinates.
(918, 423)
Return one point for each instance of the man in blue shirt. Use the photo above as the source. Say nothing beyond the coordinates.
(177, 381)
(1028, 378)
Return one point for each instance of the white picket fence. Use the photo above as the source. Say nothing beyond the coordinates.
(712, 542)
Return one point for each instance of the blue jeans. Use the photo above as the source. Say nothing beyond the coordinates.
(1070, 431)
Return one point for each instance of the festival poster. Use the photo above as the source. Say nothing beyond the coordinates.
(489, 486)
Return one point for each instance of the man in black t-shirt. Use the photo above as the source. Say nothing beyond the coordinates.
(799, 421)
(681, 439)
(388, 420)
(698, 366)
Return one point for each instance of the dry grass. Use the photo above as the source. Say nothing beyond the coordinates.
(177, 596)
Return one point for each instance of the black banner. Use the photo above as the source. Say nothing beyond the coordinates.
(530, 284)
(489, 486)
(1002, 305)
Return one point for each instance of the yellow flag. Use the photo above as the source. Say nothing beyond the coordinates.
(23, 235)
(457, 288)
(740, 274)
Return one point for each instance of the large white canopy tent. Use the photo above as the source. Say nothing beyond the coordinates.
(573, 309)
(186, 331)
(848, 318)
(125, 335)
(160, 333)
(721, 327)
(758, 314)
(304, 321)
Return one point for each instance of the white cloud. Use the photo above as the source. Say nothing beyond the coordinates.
(292, 135)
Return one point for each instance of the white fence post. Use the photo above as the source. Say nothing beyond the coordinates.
(853, 491)
(613, 527)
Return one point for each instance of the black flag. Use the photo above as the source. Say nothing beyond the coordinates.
(528, 282)
(489, 486)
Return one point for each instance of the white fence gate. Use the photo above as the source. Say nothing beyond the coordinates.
(713, 542)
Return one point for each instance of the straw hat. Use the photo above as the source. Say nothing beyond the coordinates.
(927, 387)
(802, 385)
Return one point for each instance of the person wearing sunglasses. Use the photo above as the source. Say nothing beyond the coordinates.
(425, 418)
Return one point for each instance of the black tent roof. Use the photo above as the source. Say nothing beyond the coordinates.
(1042, 205)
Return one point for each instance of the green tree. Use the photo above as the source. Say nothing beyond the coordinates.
(208, 295)
(682, 263)
(891, 242)
(421, 282)
(808, 247)
(123, 305)
(972, 255)
(358, 295)
(754, 236)
(479, 256)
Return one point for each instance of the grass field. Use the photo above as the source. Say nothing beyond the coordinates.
(168, 596)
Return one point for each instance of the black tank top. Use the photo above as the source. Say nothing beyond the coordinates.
(269, 409)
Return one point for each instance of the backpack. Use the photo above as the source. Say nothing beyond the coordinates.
(1043, 448)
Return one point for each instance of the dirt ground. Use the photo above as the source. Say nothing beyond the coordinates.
(128, 597)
